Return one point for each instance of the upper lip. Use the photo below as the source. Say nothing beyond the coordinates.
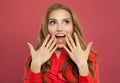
(60, 35)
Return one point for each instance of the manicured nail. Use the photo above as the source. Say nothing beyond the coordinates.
(28, 43)
(74, 33)
(91, 42)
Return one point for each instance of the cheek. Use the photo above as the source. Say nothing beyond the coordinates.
(69, 30)
(51, 31)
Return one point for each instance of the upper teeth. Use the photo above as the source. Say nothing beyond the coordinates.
(60, 35)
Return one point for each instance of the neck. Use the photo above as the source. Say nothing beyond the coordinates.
(58, 51)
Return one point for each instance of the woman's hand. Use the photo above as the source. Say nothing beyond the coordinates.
(43, 54)
(77, 54)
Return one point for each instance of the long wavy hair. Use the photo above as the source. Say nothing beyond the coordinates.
(76, 28)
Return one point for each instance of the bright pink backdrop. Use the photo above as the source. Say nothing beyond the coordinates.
(20, 20)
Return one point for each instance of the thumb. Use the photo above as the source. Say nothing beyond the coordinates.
(31, 48)
(89, 47)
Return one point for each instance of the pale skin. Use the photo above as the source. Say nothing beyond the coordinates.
(50, 45)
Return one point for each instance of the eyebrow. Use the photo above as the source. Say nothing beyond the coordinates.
(51, 19)
(63, 19)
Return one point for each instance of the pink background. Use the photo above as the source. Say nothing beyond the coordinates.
(20, 20)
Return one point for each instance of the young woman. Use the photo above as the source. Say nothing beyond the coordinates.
(62, 55)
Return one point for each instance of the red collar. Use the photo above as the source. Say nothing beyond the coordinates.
(57, 63)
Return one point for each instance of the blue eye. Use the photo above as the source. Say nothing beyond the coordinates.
(66, 21)
(52, 22)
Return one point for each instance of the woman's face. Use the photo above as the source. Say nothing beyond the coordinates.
(60, 24)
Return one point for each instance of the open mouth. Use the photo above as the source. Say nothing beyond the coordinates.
(60, 38)
(60, 35)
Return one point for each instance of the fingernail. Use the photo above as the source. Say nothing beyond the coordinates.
(48, 35)
(74, 33)
(91, 42)
(68, 35)
(65, 38)
(28, 43)
(55, 39)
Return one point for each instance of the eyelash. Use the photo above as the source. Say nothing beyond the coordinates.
(51, 22)
(54, 22)
(66, 22)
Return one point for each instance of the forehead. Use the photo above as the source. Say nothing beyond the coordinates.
(60, 14)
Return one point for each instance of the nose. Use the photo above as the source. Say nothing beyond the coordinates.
(59, 27)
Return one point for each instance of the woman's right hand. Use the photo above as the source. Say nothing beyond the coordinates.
(43, 54)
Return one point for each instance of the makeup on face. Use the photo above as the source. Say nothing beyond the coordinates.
(60, 24)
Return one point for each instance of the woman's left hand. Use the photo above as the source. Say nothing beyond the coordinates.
(76, 53)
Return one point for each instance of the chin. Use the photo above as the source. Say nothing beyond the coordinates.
(59, 46)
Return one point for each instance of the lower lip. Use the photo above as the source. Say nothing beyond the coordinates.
(60, 40)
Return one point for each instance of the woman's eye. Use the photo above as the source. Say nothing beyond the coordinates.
(52, 22)
(66, 21)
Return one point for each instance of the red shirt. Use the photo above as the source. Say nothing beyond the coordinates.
(55, 73)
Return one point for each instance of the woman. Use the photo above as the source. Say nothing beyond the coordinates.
(62, 55)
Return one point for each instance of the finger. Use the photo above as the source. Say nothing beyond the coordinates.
(76, 39)
(53, 50)
(67, 49)
(49, 43)
(31, 48)
(46, 40)
(71, 40)
(53, 44)
(69, 44)
(89, 47)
